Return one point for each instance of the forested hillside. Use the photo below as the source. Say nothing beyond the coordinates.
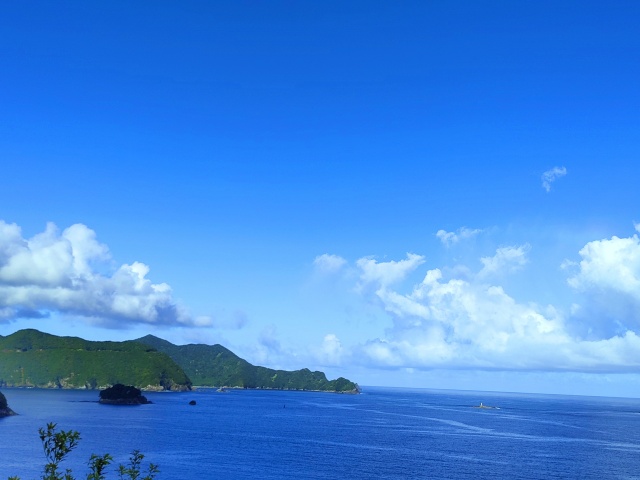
(29, 358)
(215, 365)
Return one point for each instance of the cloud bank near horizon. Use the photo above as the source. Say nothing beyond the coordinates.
(461, 318)
(58, 272)
(462, 321)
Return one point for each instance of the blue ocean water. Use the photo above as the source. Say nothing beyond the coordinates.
(382, 433)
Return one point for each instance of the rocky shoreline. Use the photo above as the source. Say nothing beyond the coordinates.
(7, 412)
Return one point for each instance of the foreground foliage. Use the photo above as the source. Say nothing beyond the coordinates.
(58, 444)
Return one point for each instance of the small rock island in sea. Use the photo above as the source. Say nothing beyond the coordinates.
(122, 395)
(5, 411)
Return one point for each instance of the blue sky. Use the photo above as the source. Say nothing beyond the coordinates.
(421, 194)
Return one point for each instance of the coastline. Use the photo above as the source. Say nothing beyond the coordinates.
(356, 391)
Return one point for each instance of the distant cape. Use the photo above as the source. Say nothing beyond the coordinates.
(217, 366)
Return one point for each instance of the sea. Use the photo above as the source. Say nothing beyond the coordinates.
(383, 433)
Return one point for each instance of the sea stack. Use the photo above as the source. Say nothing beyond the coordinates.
(5, 411)
(122, 395)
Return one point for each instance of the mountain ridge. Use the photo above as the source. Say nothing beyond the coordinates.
(31, 358)
(217, 366)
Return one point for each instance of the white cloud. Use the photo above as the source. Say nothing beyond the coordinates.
(327, 263)
(551, 176)
(204, 321)
(55, 271)
(331, 351)
(451, 238)
(460, 323)
(506, 260)
(608, 276)
(610, 264)
(387, 273)
(454, 320)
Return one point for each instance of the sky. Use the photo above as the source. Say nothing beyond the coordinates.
(421, 194)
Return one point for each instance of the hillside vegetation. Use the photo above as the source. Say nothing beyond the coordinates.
(29, 358)
(215, 365)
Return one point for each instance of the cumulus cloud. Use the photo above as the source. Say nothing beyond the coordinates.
(608, 275)
(610, 264)
(451, 238)
(551, 176)
(464, 324)
(331, 351)
(56, 272)
(469, 321)
(328, 263)
(506, 260)
(387, 273)
(439, 319)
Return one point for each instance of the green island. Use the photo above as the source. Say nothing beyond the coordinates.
(30, 358)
